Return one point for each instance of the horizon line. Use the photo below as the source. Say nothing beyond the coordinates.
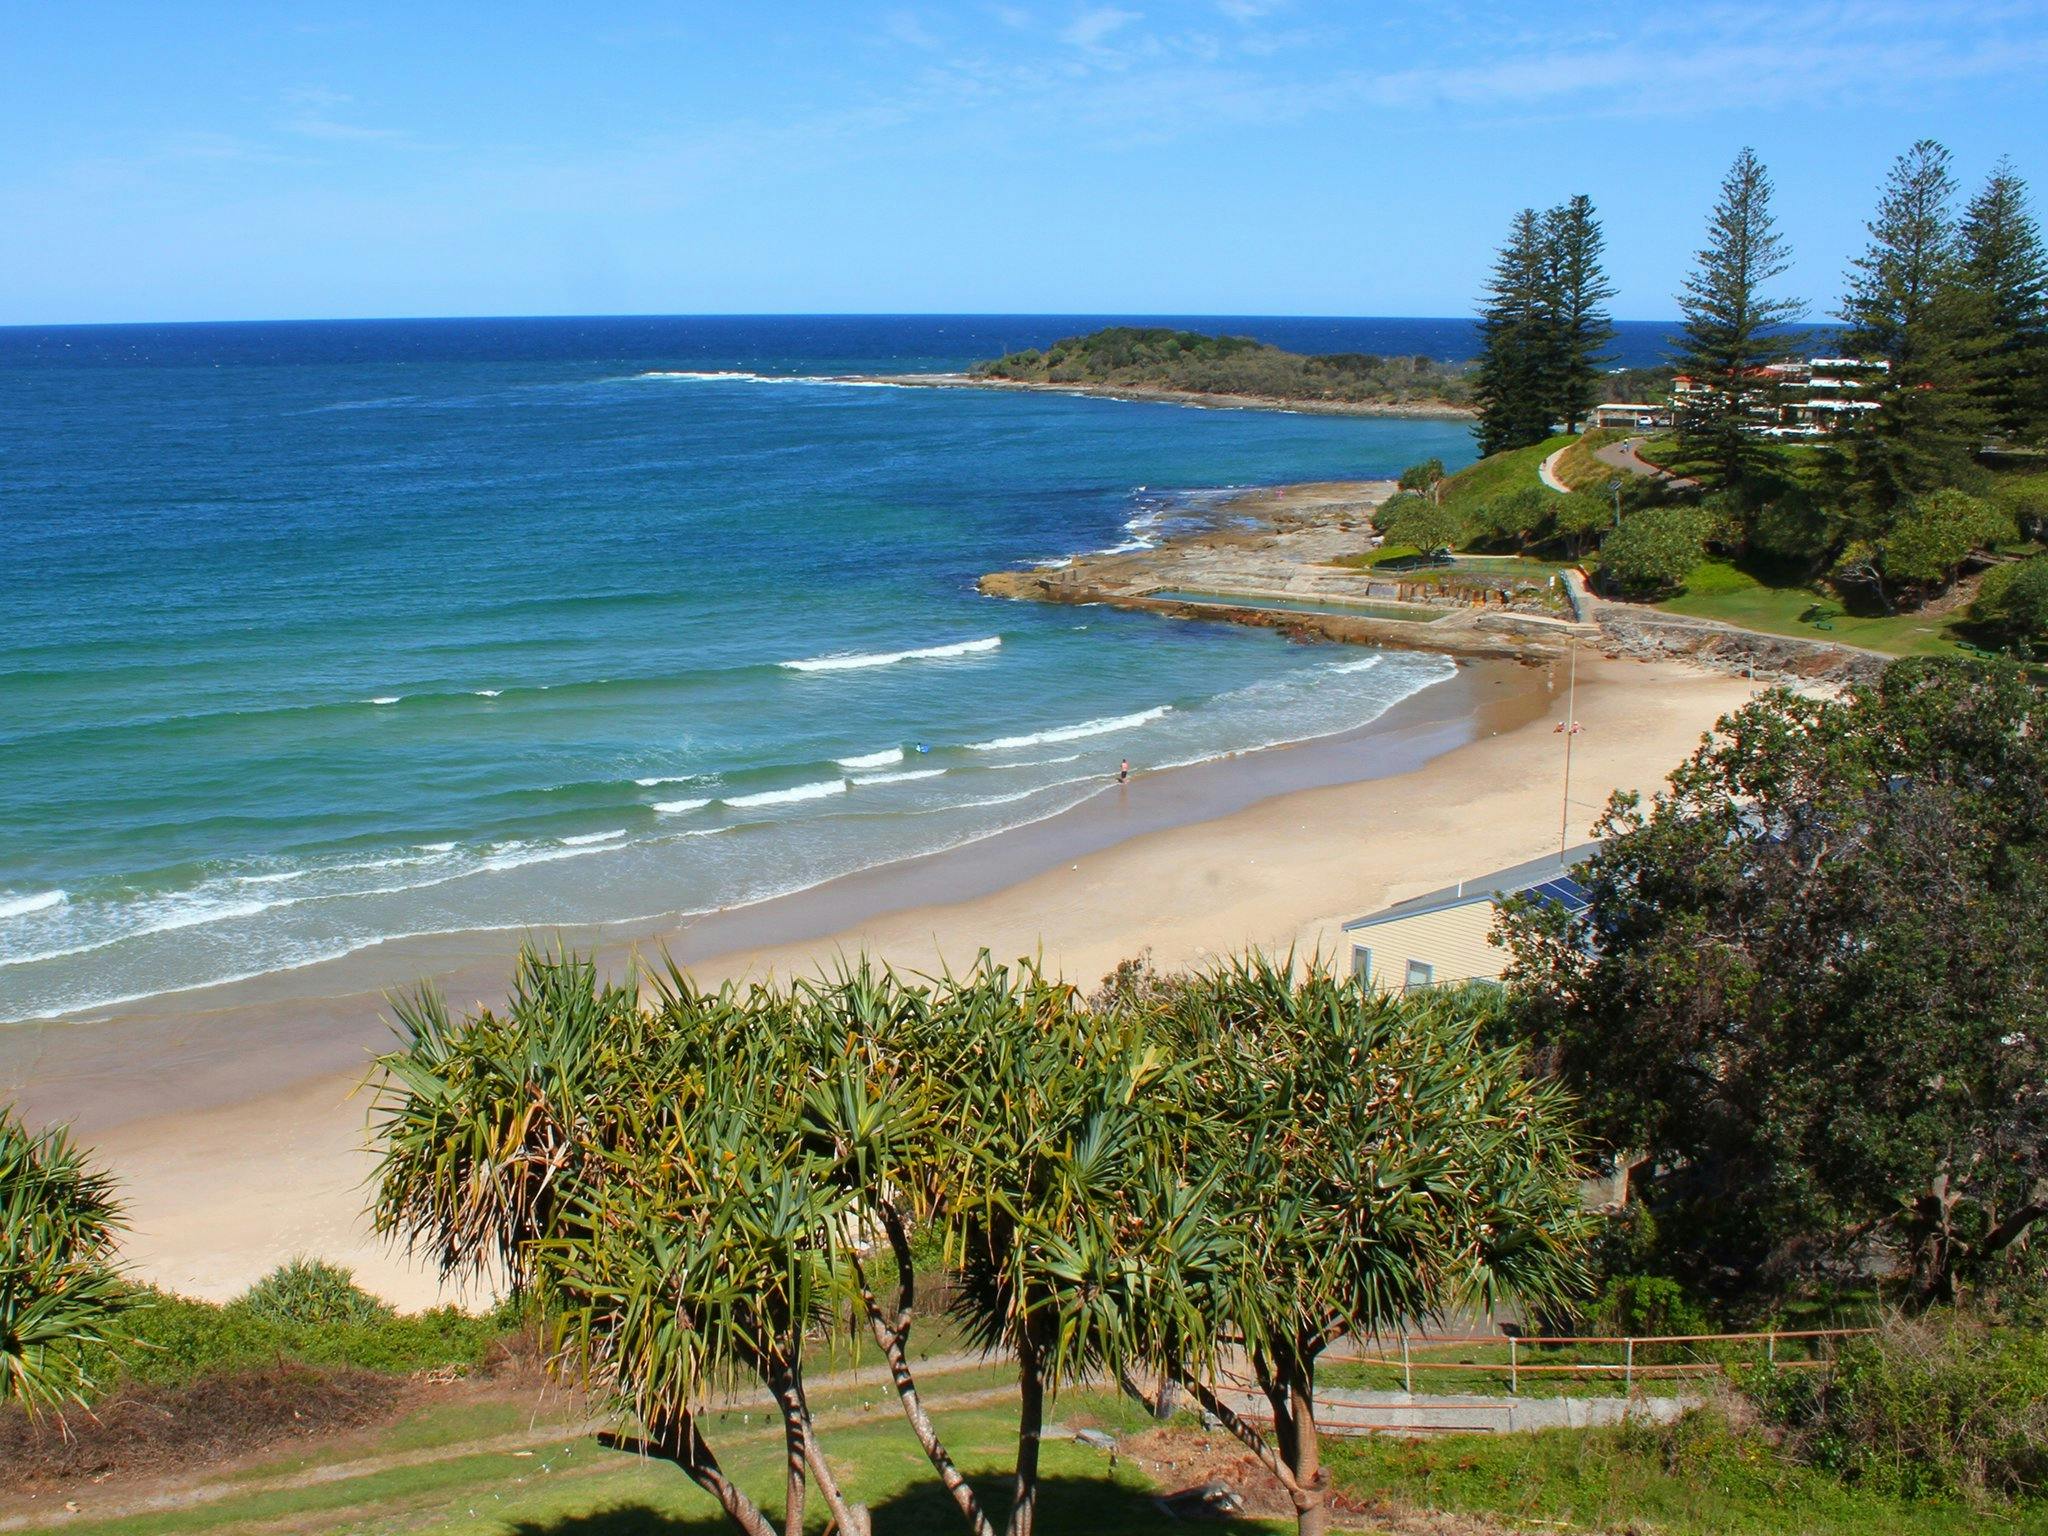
(766, 314)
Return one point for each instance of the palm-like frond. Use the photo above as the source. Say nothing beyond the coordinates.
(59, 1291)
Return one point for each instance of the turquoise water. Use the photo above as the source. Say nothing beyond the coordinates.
(318, 635)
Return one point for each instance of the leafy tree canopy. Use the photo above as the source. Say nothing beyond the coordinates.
(1811, 980)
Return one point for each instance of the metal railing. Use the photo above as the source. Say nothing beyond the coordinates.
(1627, 1369)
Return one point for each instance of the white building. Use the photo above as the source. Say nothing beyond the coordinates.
(1445, 938)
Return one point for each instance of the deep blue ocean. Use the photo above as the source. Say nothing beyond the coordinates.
(321, 633)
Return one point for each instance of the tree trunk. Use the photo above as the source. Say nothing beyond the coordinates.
(1289, 1382)
(1030, 1424)
(678, 1441)
(893, 1335)
(1312, 1496)
(791, 1407)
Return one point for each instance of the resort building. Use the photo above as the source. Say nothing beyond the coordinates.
(1630, 416)
(1810, 399)
(1445, 938)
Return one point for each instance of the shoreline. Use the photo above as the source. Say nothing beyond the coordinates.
(1156, 394)
(257, 1034)
(1274, 848)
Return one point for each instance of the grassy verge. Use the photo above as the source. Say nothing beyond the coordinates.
(1720, 590)
(1698, 1478)
(1500, 473)
(1577, 467)
(571, 1486)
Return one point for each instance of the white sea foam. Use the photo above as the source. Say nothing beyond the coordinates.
(715, 375)
(677, 807)
(276, 879)
(517, 855)
(585, 839)
(872, 759)
(853, 661)
(817, 791)
(665, 778)
(437, 847)
(21, 906)
(1047, 762)
(488, 693)
(899, 778)
(388, 698)
(1363, 664)
(1102, 727)
(741, 376)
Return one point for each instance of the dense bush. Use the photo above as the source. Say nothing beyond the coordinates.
(171, 1341)
(2013, 601)
(1419, 523)
(1932, 538)
(313, 1292)
(1653, 552)
(1939, 1405)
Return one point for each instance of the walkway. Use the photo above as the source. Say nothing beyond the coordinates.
(1547, 473)
(1623, 456)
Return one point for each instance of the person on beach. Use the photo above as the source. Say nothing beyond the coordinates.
(1123, 773)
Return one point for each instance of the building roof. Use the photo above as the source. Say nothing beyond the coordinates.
(1548, 879)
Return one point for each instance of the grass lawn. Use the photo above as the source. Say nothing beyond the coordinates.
(498, 1470)
(569, 1485)
(1694, 1479)
(1577, 467)
(1720, 590)
(1500, 473)
(1800, 462)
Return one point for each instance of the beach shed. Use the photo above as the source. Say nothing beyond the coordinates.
(1441, 939)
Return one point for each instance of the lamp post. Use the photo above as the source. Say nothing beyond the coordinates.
(1569, 726)
(1614, 489)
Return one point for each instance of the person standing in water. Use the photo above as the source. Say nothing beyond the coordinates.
(1123, 773)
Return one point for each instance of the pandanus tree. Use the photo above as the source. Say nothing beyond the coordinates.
(59, 1292)
(1051, 1119)
(1368, 1164)
(641, 1166)
(690, 1180)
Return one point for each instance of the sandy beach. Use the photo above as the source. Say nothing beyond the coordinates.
(235, 1121)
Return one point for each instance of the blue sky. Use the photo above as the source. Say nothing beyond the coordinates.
(227, 161)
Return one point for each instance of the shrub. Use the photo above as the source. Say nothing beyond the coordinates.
(1415, 521)
(1942, 1404)
(313, 1292)
(1653, 552)
(1940, 531)
(2013, 600)
(173, 1341)
(1514, 516)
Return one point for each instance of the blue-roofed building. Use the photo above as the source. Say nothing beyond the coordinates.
(1442, 939)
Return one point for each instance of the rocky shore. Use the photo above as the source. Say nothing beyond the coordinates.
(1274, 558)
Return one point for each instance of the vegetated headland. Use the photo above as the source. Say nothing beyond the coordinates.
(1129, 362)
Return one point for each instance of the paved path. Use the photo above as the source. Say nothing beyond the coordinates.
(1547, 473)
(1623, 456)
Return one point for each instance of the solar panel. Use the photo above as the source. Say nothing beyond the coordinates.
(1563, 891)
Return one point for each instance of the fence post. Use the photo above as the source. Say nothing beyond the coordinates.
(1771, 1348)
(1407, 1374)
(1628, 1370)
(1514, 1374)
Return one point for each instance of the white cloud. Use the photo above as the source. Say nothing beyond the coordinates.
(1091, 29)
(906, 28)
